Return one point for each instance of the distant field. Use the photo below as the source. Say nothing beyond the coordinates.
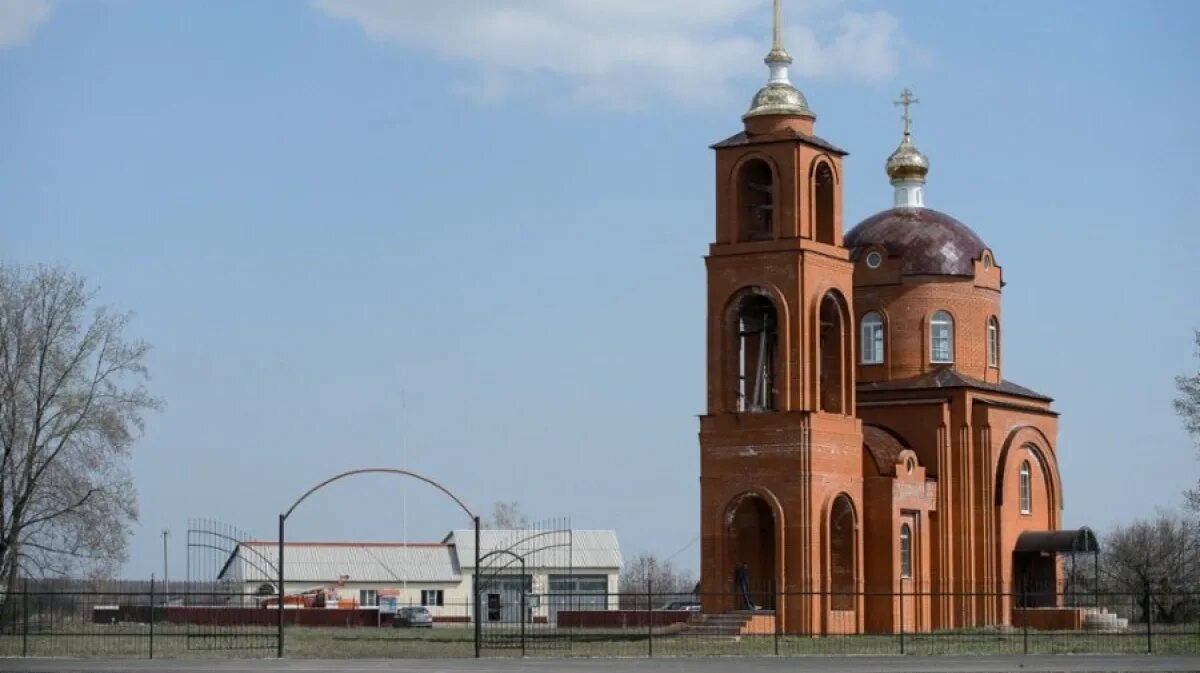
(174, 641)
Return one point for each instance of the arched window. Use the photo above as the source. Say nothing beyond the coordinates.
(993, 342)
(832, 344)
(265, 589)
(842, 563)
(757, 336)
(871, 338)
(756, 194)
(1026, 489)
(941, 338)
(823, 203)
(905, 552)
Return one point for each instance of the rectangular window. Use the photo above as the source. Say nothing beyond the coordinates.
(578, 592)
(993, 345)
(1026, 490)
(872, 343)
(368, 598)
(906, 551)
(434, 597)
(941, 338)
(941, 345)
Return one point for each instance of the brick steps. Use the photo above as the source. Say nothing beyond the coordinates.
(1103, 621)
(732, 625)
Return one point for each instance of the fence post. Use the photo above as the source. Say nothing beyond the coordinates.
(280, 616)
(778, 611)
(151, 616)
(25, 619)
(1149, 622)
(650, 616)
(1025, 619)
(902, 616)
(523, 608)
(475, 588)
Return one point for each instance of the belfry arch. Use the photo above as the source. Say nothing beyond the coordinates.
(833, 345)
(822, 204)
(756, 353)
(756, 200)
(752, 532)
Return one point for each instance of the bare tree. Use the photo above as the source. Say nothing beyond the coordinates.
(1187, 405)
(663, 578)
(1160, 556)
(508, 515)
(72, 399)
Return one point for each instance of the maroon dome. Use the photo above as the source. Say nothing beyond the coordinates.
(925, 241)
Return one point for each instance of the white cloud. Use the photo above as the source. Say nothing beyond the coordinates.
(20, 18)
(627, 52)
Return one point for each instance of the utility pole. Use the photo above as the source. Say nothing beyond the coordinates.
(166, 576)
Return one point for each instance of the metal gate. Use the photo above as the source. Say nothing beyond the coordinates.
(224, 603)
(512, 584)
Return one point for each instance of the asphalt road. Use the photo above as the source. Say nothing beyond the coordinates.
(1044, 664)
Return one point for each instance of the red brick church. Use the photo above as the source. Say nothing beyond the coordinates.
(860, 440)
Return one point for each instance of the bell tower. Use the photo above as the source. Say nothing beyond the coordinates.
(781, 448)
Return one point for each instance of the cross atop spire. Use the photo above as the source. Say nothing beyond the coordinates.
(906, 99)
(777, 43)
(778, 59)
(779, 96)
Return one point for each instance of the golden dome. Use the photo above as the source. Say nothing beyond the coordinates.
(779, 99)
(907, 162)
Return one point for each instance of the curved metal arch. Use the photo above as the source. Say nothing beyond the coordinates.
(237, 542)
(380, 470)
(507, 564)
(496, 572)
(231, 555)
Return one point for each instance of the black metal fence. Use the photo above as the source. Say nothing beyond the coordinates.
(132, 619)
(142, 620)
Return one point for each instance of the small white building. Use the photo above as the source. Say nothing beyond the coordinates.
(565, 569)
(570, 569)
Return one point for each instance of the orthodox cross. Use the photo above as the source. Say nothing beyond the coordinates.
(906, 99)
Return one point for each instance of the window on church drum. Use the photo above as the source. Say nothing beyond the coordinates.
(758, 333)
(941, 338)
(993, 342)
(905, 551)
(756, 192)
(1026, 489)
(871, 338)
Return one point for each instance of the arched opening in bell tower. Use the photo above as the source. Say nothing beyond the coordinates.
(757, 338)
(823, 203)
(843, 561)
(752, 551)
(832, 344)
(756, 196)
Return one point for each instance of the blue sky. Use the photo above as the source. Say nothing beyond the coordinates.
(467, 237)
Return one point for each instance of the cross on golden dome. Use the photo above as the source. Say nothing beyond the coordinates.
(906, 99)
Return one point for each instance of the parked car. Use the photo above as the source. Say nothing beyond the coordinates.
(689, 606)
(415, 616)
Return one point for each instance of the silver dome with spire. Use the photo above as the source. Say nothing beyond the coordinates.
(779, 96)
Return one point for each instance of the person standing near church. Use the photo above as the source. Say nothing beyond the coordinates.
(741, 580)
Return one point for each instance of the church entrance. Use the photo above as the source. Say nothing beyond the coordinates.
(752, 549)
(1035, 579)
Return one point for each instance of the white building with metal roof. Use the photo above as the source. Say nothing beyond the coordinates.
(562, 568)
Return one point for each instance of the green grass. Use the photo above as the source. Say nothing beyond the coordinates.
(87, 640)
